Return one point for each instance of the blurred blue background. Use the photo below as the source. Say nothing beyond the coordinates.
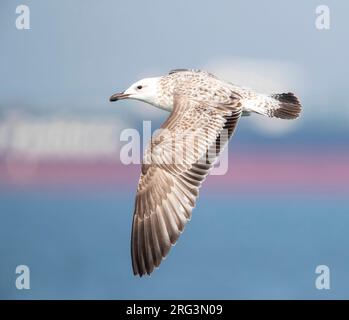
(66, 201)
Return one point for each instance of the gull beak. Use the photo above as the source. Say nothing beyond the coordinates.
(119, 96)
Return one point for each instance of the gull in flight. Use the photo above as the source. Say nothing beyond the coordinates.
(204, 112)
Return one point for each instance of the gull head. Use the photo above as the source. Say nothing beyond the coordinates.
(145, 90)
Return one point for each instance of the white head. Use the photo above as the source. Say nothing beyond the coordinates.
(145, 90)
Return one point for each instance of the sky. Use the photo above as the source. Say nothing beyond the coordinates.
(76, 54)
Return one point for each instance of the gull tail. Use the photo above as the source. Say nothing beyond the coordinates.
(282, 105)
(286, 106)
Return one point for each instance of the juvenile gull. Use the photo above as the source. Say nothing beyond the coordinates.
(204, 114)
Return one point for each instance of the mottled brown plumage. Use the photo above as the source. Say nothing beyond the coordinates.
(204, 113)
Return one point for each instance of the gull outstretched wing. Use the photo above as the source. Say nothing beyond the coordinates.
(175, 164)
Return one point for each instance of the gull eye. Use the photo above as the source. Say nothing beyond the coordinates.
(139, 87)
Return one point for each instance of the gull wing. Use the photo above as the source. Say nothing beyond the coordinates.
(175, 165)
(192, 70)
